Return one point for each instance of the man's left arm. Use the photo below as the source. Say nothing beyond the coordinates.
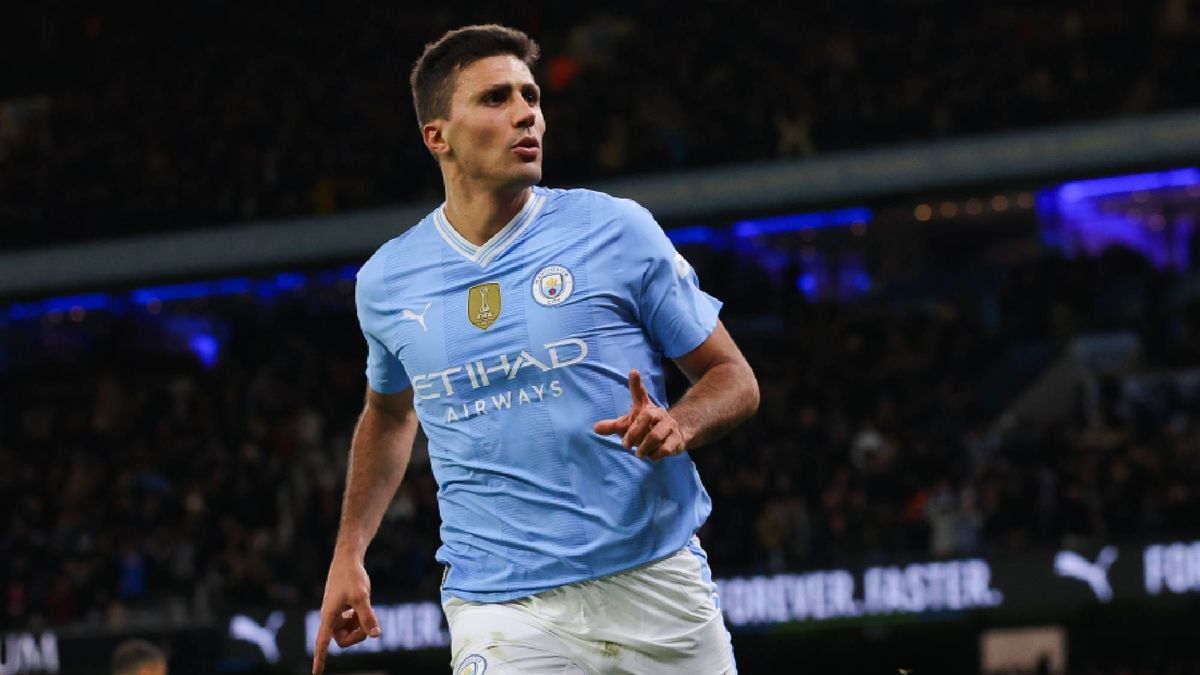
(723, 394)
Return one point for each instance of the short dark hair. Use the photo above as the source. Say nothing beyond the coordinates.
(432, 77)
(133, 654)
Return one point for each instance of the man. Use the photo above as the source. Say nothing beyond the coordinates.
(515, 322)
(138, 657)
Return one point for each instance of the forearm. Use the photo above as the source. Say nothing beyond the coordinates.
(379, 455)
(725, 396)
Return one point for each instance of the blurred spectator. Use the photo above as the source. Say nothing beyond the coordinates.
(119, 121)
(138, 657)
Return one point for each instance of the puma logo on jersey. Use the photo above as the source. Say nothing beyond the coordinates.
(413, 316)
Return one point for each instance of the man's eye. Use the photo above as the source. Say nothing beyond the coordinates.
(531, 97)
(494, 97)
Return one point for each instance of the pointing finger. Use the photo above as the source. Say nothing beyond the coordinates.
(640, 397)
(322, 646)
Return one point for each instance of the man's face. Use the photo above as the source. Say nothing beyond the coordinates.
(494, 133)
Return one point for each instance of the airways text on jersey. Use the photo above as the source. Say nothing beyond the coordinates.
(459, 387)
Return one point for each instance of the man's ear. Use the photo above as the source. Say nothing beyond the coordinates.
(434, 139)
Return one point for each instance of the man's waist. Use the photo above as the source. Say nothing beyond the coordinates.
(505, 572)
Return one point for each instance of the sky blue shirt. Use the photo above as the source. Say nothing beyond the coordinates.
(514, 349)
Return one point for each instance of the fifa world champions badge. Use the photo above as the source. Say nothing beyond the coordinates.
(552, 285)
(483, 305)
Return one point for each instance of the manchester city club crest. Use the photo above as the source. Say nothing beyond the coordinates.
(552, 285)
(472, 665)
(483, 305)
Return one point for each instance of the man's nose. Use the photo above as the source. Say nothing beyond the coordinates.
(523, 114)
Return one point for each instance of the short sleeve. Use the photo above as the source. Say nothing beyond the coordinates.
(385, 372)
(676, 313)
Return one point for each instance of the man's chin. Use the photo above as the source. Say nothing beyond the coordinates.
(529, 174)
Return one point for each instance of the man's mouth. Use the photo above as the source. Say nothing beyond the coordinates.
(527, 148)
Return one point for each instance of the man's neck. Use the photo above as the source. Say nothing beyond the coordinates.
(478, 215)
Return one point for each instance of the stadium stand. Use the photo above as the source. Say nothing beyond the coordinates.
(241, 123)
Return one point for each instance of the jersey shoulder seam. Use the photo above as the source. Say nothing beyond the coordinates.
(383, 257)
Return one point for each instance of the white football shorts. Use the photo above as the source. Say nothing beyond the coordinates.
(663, 618)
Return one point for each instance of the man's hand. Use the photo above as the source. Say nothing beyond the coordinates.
(648, 428)
(346, 613)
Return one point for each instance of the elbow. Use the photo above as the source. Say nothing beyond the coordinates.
(752, 393)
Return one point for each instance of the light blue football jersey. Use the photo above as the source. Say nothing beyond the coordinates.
(514, 349)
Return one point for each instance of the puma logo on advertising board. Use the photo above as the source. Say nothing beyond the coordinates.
(242, 627)
(1095, 574)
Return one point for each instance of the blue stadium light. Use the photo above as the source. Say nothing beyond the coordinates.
(1079, 190)
(807, 284)
(1077, 217)
(861, 281)
(697, 234)
(266, 288)
(289, 280)
(87, 301)
(62, 304)
(1049, 211)
(332, 276)
(802, 221)
(749, 229)
(205, 347)
(189, 291)
(234, 286)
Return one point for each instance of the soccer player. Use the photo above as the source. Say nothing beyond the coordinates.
(523, 328)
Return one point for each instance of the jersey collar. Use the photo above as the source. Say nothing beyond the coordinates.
(500, 242)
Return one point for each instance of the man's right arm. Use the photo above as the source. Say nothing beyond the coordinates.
(379, 454)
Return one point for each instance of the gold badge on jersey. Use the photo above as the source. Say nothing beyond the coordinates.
(483, 305)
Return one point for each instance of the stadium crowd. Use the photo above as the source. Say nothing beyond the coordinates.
(179, 489)
(118, 120)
